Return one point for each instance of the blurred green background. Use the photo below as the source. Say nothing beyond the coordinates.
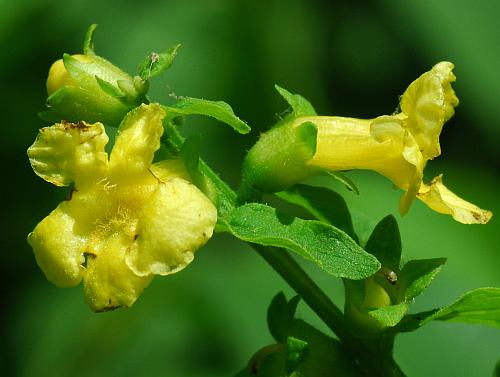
(349, 58)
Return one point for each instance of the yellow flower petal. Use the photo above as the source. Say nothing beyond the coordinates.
(428, 103)
(381, 144)
(59, 244)
(70, 152)
(438, 197)
(175, 221)
(167, 169)
(137, 141)
(108, 281)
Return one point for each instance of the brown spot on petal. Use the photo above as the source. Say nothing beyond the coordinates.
(81, 126)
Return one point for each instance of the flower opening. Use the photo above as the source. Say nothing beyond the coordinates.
(126, 220)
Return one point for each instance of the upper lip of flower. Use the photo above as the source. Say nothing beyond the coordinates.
(127, 218)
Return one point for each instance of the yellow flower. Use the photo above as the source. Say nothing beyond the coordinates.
(399, 146)
(126, 220)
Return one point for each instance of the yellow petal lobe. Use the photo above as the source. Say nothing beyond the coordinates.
(58, 247)
(438, 197)
(428, 103)
(176, 221)
(137, 141)
(70, 152)
(108, 281)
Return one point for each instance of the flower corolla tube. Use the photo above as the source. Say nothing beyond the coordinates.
(398, 146)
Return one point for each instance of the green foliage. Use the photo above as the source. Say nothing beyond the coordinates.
(88, 42)
(324, 204)
(328, 247)
(297, 352)
(155, 64)
(416, 275)
(190, 153)
(385, 243)
(480, 306)
(344, 179)
(280, 315)
(300, 106)
(215, 109)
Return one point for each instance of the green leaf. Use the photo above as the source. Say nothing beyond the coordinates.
(215, 109)
(363, 226)
(330, 248)
(88, 42)
(325, 357)
(480, 306)
(277, 317)
(344, 179)
(324, 204)
(300, 106)
(155, 63)
(417, 275)
(390, 316)
(190, 153)
(296, 353)
(385, 243)
(280, 315)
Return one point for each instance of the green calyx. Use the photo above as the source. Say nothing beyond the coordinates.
(279, 159)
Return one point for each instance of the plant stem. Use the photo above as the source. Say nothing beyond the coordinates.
(369, 359)
(370, 362)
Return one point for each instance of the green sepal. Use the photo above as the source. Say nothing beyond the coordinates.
(344, 179)
(74, 104)
(323, 203)
(216, 109)
(75, 68)
(190, 153)
(328, 247)
(154, 64)
(110, 89)
(279, 160)
(280, 315)
(88, 41)
(297, 352)
(300, 106)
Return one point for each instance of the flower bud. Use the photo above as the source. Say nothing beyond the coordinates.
(89, 88)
